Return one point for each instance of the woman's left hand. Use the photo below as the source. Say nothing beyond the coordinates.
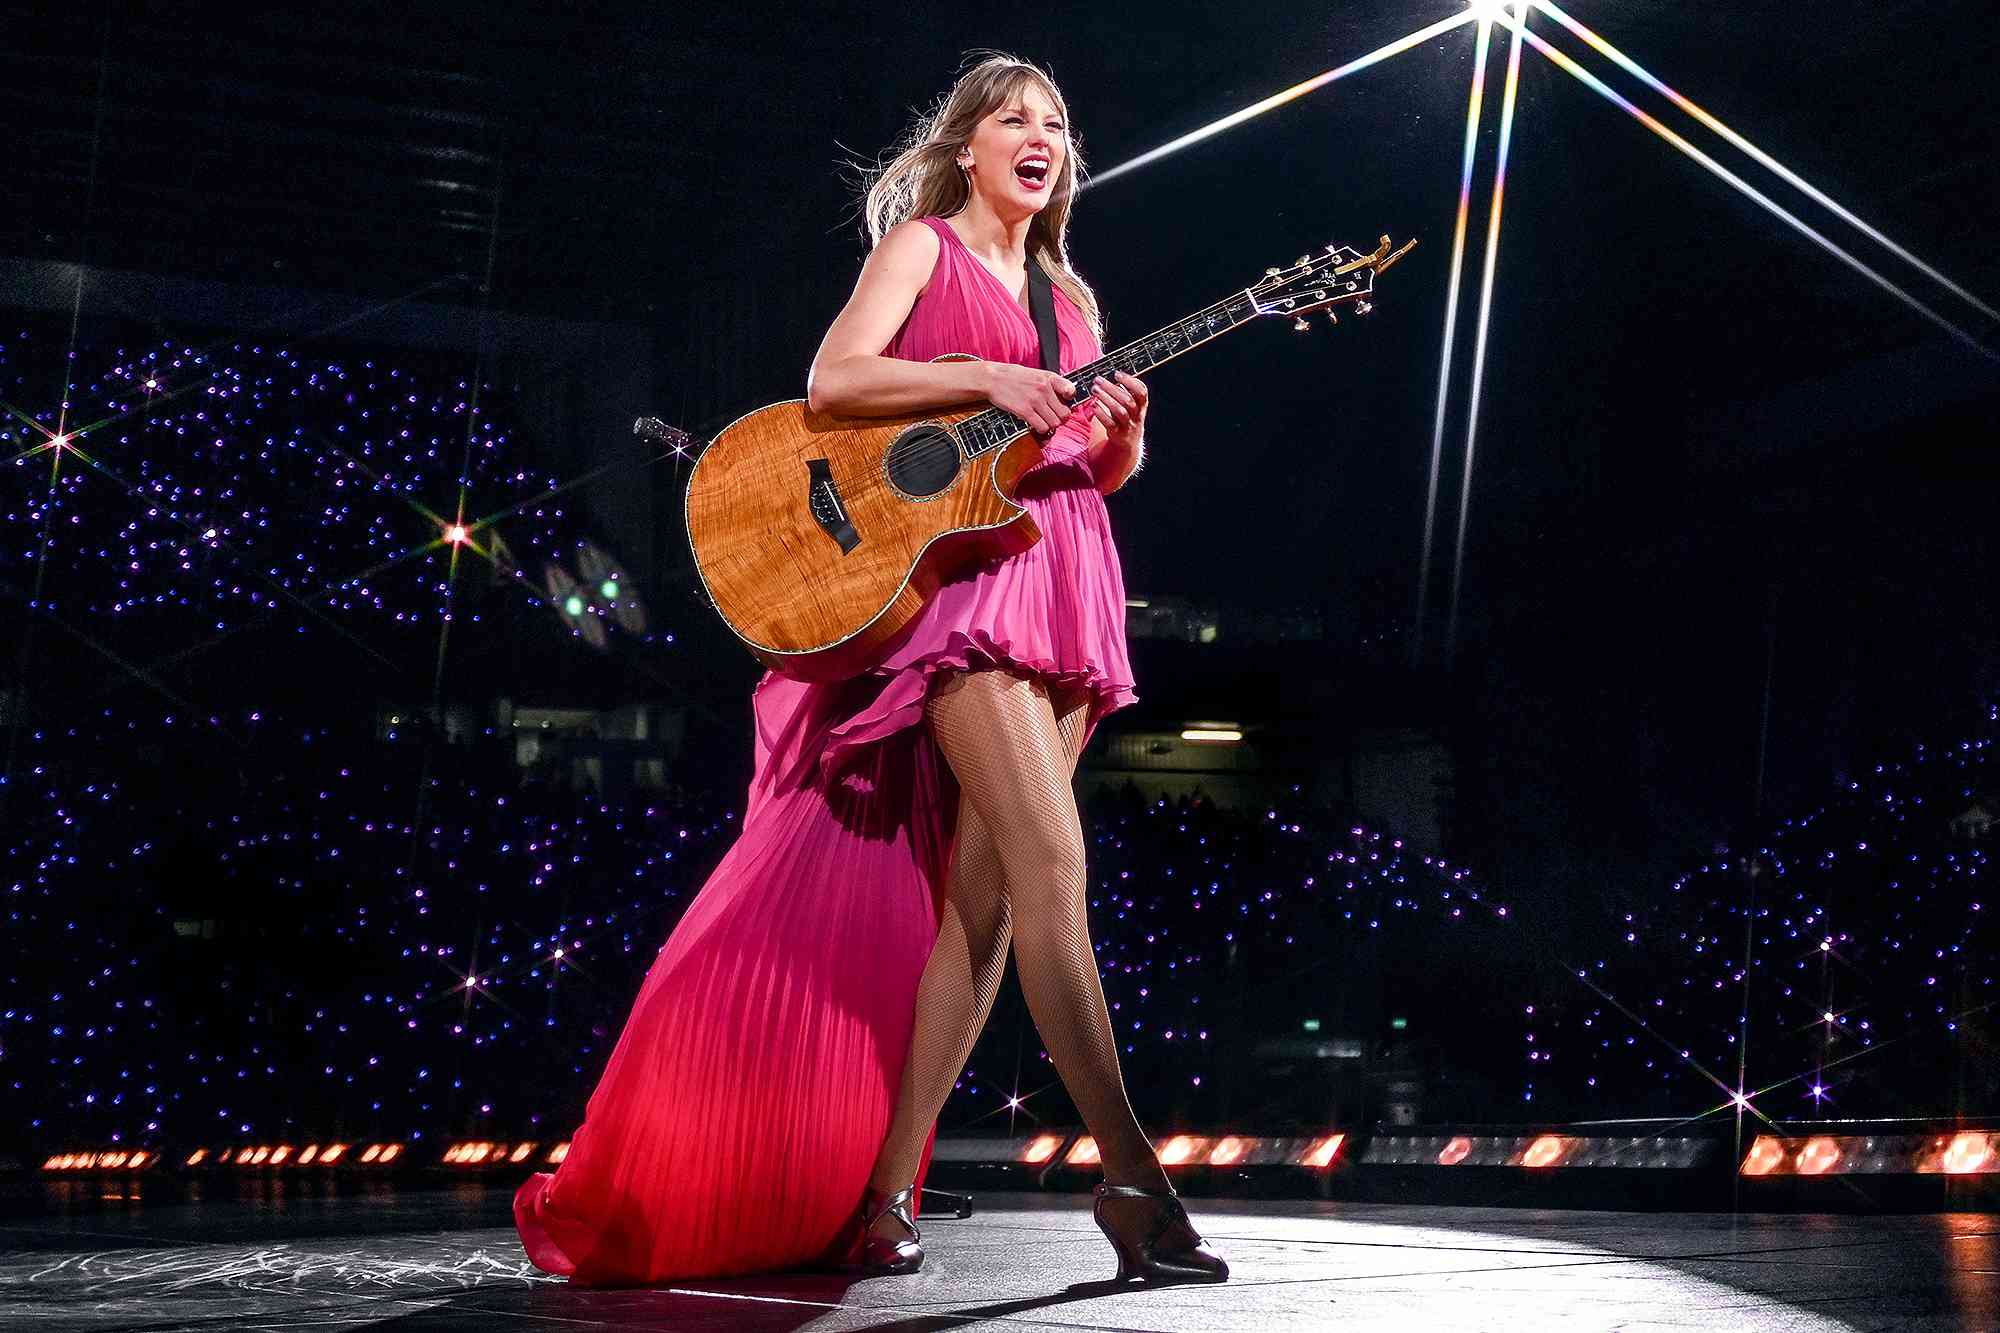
(1121, 406)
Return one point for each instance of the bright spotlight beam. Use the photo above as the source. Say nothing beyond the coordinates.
(1517, 29)
(1474, 107)
(1235, 118)
(1750, 192)
(1784, 173)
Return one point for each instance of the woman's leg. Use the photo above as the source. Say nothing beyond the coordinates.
(953, 1001)
(1001, 736)
(961, 979)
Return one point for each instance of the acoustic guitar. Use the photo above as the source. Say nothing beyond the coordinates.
(819, 538)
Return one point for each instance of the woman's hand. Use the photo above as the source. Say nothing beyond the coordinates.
(1121, 406)
(1038, 397)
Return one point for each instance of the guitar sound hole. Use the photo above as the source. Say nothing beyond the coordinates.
(923, 461)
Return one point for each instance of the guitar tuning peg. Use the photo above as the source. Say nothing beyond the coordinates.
(1300, 260)
(1332, 318)
(1362, 307)
(1271, 273)
(1300, 324)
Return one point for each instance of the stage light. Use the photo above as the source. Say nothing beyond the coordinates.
(1181, 1149)
(610, 589)
(1748, 191)
(111, 1159)
(1963, 1152)
(1227, 1151)
(371, 1152)
(1968, 1152)
(1235, 118)
(1489, 11)
(332, 1153)
(1638, 71)
(1042, 1149)
(1548, 1150)
(1221, 734)
(1083, 1153)
(1767, 1154)
(1322, 1153)
(456, 534)
(1819, 1156)
(1516, 31)
(557, 1153)
(1539, 1151)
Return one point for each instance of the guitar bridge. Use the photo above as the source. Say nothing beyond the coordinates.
(823, 499)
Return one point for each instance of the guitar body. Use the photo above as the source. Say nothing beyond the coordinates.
(819, 538)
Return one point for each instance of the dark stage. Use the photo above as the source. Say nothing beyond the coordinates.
(448, 1259)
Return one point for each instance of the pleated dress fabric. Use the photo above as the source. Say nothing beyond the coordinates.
(738, 1118)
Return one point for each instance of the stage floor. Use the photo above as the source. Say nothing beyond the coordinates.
(447, 1260)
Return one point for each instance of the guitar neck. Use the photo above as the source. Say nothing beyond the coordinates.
(986, 431)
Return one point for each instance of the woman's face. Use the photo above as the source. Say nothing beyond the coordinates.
(1009, 145)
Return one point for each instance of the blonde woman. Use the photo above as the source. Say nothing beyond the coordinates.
(773, 1100)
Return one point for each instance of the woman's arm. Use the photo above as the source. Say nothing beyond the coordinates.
(850, 376)
(1110, 465)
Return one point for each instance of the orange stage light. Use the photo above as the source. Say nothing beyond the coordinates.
(1767, 1154)
(1819, 1156)
(1043, 1148)
(1083, 1153)
(1322, 1153)
(1227, 1150)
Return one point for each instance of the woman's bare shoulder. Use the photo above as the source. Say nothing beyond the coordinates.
(909, 251)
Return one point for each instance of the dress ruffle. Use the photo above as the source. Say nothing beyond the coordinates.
(901, 702)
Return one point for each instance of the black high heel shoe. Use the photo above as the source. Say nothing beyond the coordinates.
(1156, 1253)
(879, 1256)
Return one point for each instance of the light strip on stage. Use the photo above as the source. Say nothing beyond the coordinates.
(1750, 192)
(1474, 106)
(1790, 177)
(1235, 118)
(1517, 29)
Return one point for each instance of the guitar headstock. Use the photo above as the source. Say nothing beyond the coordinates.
(1335, 275)
(673, 438)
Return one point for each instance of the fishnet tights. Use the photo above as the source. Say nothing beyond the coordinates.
(1018, 873)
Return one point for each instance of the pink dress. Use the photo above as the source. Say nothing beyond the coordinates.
(739, 1115)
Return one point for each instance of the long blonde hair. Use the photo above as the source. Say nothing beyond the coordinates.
(923, 179)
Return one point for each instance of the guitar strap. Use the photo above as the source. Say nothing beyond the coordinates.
(1042, 305)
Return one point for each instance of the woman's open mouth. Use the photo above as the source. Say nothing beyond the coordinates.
(1033, 173)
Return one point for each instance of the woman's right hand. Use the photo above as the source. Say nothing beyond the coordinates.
(1038, 397)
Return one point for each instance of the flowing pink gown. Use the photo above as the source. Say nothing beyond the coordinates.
(737, 1121)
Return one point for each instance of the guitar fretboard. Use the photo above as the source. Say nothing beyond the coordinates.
(986, 431)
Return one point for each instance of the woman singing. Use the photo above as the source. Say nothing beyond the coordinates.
(772, 1101)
